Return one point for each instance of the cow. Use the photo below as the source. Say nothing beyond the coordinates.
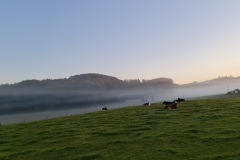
(104, 109)
(171, 105)
(167, 102)
(147, 104)
(179, 100)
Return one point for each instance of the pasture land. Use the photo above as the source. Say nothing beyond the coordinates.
(197, 129)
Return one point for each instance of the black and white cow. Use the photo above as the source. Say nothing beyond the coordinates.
(147, 104)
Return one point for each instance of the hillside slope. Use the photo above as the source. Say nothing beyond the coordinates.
(201, 129)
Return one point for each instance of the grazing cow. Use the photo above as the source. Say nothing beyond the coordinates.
(179, 100)
(147, 104)
(171, 105)
(104, 109)
(166, 102)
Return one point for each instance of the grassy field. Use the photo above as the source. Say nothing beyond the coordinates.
(198, 129)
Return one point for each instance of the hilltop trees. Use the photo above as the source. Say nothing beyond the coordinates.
(89, 81)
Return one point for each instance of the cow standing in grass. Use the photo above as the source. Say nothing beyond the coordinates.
(104, 109)
(170, 105)
(147, 104)
(179, 100)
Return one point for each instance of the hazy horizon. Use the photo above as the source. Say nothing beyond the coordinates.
(121, 79)
(183, 40)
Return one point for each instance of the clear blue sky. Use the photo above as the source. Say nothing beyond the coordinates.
(186, 40)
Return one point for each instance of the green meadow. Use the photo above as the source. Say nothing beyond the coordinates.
(197, 129)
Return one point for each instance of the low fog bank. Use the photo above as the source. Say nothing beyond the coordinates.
(208, 90)
(20, 101)
(38, 100)
(191, 92)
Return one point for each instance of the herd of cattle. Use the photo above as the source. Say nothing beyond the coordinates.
(167, 104)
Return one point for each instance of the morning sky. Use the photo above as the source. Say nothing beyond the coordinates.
(186, 40)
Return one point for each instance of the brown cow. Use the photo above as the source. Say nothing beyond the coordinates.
(172, 105)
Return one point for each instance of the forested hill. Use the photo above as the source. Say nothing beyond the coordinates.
(220, 80)
(99, 81)
(89, 81)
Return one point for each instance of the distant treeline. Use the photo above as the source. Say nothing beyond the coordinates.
(89, 81)
(219, 80)
(99, 81)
